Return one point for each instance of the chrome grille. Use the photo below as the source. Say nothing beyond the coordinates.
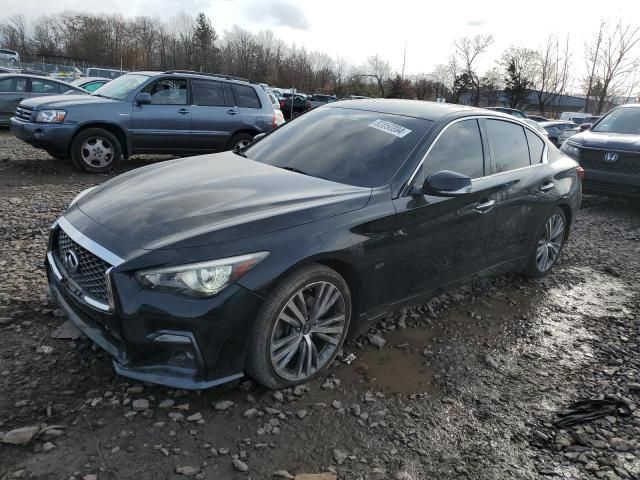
(23, 112)
(627, 162)
(90, 275)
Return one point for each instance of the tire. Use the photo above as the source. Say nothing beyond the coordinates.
(280, 366)
(96, 150)
(548, 244)
(57, 156)
(239, 140)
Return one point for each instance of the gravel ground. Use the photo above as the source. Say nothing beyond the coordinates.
(465, 386)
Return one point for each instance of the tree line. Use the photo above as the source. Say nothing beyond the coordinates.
(192, 43)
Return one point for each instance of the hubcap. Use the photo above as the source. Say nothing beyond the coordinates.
(550, 243)
(308, 331)
(242, 144)
(97, 152)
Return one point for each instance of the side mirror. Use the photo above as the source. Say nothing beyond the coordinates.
(585, 126)
(446, 183)
(143, 98)
(258, 137)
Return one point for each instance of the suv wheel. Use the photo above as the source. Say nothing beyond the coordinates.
(300, 328)
(96, 150)
(240, 140)
(550, 239)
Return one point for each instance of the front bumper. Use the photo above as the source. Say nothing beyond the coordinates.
(52, 137)
(610, 182)
(162, 338)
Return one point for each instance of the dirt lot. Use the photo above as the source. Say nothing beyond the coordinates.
(465, 386)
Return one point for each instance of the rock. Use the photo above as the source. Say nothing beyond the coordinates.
(377, 473)
(140, 405)
(188, 471)
(176, 416)
(90, 476)
(48, 446)
(195, 417)
(316, 476)
(223, 405)
(20, 436)
(278, 396)
(621, 445)
(240, 465)
(66, 331)
(168, 403)
(356, 410)
(634, 387)
(301, 414)
(488, 358)
(340, 456)
(250, 413)
(282, 474)
(377, 341)
(336, 404)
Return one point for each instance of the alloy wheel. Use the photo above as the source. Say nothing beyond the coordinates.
(242, 144)
(97, 152)
(550, 243)
(307, 331)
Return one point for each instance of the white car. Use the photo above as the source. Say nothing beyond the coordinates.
(276, 109)
(9, 56)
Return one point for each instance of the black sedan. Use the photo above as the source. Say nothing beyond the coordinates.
(556, 128)
(196, 271)
(609, 151)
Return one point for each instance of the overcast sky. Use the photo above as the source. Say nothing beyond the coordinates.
(356, 29)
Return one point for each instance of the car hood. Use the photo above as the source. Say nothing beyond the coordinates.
(64, 101)
(613, 141)
(211, 199)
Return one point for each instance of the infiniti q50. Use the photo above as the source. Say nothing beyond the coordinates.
(261, 261)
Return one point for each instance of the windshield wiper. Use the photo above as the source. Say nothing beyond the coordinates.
(297, 170)
(100, 95)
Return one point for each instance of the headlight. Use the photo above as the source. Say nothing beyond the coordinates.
(51, 116)
(81, 194)
(570, 149)
(203, 279)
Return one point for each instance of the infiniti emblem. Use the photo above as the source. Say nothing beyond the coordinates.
(611, 157)
(71, 261)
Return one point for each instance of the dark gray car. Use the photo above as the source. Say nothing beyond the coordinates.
(173, 112)
(14, 88)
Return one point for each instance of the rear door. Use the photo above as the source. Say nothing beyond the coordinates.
(12, 91)
(524, 191)
(249, 106)
(165, 124)
(442, 239)
(214, 114)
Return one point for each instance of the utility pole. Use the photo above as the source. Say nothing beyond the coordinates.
(404, 59)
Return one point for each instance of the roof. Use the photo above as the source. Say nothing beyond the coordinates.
(37, 77)
(409, 108)
(192, 74)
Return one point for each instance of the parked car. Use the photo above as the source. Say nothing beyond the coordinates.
(521, 115)
(556, 128)
(172, 112)
(317, 100)
(357, 97)
(261, 261)
(578, 117)
(15, 88)
(300, 105)
(276, 108)
(90, 84)
(609, 152)
(568, 133)
(538, 118)
(109, 73)
(9, 56)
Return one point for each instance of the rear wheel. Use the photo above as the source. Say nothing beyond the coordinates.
(300, 328)
(550, 239)
(96, 150)
(240, 140)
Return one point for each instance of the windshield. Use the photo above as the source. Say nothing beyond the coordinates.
(620, 120)
(349, 146)
(121, 87)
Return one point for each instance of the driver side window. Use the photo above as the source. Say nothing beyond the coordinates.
(168, 91)
(459, 149)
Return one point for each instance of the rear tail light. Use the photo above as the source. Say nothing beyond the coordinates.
(281, 104)
(307, 104)
(274, 121)
(580, 172)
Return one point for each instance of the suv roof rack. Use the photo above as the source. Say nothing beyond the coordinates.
(218, 75)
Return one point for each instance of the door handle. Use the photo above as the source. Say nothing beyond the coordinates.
(232, 111)
(546, 186)
(183, 111)
(484, 207)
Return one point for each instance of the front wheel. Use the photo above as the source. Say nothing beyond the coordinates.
(550, 239)
(96, 150)
(240, 140)
(300, 328)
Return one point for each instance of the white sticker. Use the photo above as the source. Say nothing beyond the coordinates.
(384, 126)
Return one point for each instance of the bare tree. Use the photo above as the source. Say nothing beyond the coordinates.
(592, 55)
(551, 74)
(468, 50)
(379, 70)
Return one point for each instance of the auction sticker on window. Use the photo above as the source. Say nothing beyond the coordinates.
(389, 127)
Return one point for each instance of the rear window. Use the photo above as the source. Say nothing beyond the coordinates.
(354, 147)
(508, 145)
(536, 147)
(246, 96)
